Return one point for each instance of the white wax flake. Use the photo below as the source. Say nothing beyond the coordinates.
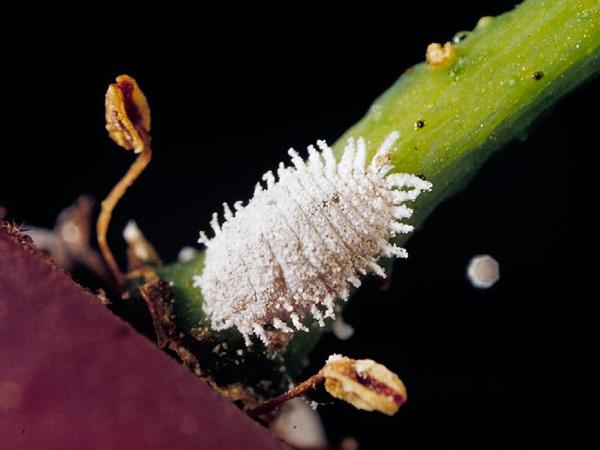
(335, 357)
(304, 237)
(483, 271)
(133, 236)
(131, 232)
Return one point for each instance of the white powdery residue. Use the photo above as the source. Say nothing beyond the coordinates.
(335, 357)
(305, 237)
(483, 271)
(362, 366)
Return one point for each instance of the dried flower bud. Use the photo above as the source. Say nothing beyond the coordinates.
(127, 114)
(364, 384)
(299, 244)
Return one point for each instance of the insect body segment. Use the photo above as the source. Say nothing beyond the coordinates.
(304, 238)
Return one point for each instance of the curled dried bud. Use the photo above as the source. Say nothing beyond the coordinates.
(364, 384)
(127, 114)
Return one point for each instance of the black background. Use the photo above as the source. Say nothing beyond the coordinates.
(231, 88)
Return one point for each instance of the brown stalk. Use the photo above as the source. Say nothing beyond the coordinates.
(109, 203)
(297, 391)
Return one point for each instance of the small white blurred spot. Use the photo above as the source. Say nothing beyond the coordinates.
(131, 232)
(186, 254)
(341, 329)
(483, 271)
(299, 425)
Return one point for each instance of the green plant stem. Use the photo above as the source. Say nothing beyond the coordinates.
(505, 74)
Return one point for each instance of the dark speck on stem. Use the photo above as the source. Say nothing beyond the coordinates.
(420, 124)
(537, 76)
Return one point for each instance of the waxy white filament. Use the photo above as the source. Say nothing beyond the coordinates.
(299, 243)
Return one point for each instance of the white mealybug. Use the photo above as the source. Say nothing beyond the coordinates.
(293, 250)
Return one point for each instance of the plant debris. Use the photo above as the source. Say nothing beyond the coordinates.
(68, 244)
(140, 252)
(363, 383)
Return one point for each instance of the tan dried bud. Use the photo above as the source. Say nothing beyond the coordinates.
(438, 55)
(127, 114)
(364, 384)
